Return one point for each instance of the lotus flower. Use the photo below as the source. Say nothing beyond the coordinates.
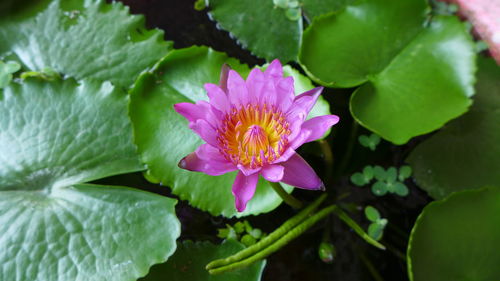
(255, 126)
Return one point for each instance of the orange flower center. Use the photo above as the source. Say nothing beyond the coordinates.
(253, 135)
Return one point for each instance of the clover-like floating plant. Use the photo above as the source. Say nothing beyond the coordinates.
(254, 126)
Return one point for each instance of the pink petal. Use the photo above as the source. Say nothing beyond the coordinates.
(218, 97)
(300, 139)
(205, 131)
(200, 110)
(298, 112)
(255, 83)
(268, 94)
(223, 77)
(214, 168)
(244, 189)
(318, 126)
(299, 174)
(275, 69)
(273, 173)
(285, 93)
(248, 171)
(208, 152)
(237, 89)
(307, 99)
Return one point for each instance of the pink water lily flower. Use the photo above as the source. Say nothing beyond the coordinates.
(254, 126)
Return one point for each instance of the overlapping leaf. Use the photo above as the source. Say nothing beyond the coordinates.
(465, 153)
(269, 30)
(457, 238)
(164, 138)
(259, 26)
(82, 39)
(190, 259)
(53, 137)
(407, 69)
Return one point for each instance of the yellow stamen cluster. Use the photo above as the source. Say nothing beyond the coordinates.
(253, 135)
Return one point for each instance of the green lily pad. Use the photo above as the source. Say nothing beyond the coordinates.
(406, 69)
(314, 8)
(457, 238)
(53, 137)
(465, 153)
(81, 38)
(270, 29)
(261, 27)
(164, 137)
(190, 259)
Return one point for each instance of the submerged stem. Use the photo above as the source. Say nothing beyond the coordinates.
(351, 223)
(288, 198)
(350, 145)
(327, 153)
(282, 241)
(271, 238)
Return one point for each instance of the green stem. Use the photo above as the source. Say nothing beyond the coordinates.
(272, 237)
(285, 239)
(327, 152)
(351, 223)
(350, 145)
(373, 271)
(288, 198)
(396, 252)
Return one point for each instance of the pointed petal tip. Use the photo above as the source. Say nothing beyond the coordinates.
(182, 164)
(275, 69)
(243, 190)
(223, 76)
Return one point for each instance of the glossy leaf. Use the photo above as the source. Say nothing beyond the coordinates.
(261, 27)
(190, 259)
(457, 238)
(53, 137)
(465, 153)
(81, 38)
(164, 137)
(314, 8)
(406, 70)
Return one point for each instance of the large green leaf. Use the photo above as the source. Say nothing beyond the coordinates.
(314, 8)
(53, 137)
(465, 153)
(457, 238)
(164, 138)
(260, 26)
(83, 39)
(190, 259)
(406, 69)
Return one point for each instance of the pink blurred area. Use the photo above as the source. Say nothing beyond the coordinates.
(485, 17)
